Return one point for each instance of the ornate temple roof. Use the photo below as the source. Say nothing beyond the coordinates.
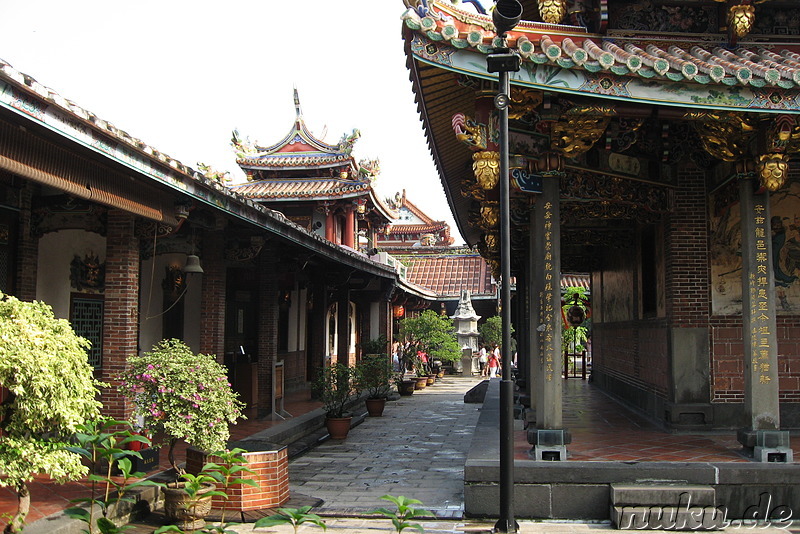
(299, 149)
(424, 223)
(701, 71)
(306, 189)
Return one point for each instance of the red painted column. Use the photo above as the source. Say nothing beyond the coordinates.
(330, 230)
(121, 317)
(350, 228)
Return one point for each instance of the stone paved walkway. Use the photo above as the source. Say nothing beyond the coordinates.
(417, 449)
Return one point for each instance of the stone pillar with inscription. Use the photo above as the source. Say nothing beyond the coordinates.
(549, 439)
(762, 436)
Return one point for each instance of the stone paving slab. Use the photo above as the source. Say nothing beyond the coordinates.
(417, 449)
(372, 526)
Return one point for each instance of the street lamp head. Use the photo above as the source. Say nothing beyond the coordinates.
(506, 15)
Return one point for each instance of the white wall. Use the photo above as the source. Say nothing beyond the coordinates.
(151, 300)
(56, 252)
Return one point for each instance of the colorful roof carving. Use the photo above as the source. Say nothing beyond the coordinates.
(307, 189)
(423, 224)
(668, 70)
(299, 149)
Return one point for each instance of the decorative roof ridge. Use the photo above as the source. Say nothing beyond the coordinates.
(696, 60)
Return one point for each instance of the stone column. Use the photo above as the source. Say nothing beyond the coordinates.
(759, 326)
(548, 216)
(533, 288)
(121, 313)
(549, 438)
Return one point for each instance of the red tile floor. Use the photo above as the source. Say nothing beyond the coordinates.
(602, 430)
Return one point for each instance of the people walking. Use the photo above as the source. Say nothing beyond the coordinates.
(482, 359)
(494, 363)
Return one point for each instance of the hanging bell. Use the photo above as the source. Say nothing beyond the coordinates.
(192, 265)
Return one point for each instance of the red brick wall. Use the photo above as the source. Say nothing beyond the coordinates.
(121, 320)
(727, 374)
(28, 250)
(634, 353)
(267, 328)
(688, 299)
(212, 312)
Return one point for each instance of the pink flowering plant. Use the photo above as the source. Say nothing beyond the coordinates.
(181, 395)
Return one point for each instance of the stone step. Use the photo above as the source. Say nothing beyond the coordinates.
(667, 518)
(681, 495)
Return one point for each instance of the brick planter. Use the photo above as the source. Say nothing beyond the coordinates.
(270, 465)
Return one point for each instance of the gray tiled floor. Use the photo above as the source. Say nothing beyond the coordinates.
(417, 449)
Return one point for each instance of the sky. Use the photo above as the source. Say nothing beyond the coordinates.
(181, 75)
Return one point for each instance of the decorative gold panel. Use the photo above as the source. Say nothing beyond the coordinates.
(486, 166)
(552, 11)
(773, 170)
(725, 136)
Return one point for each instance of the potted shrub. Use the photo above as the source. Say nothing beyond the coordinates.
(374, 375)
(432, 334)
(177, 395)
(50, 392)
(337, 386)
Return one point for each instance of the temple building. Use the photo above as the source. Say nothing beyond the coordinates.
(316, 185)
(653, 145)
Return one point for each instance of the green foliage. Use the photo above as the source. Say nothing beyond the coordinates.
(404, 512)
(52, 391)
(573, 338)
(491, 331)
(102, 443)
(431, 333)
(182, 395)
(291, 516)
(375, 346)
(374, 375)
(337, 385)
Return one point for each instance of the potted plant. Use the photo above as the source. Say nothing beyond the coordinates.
(177, 395)
(374, 375)
(337, 386)
(432, 334)
(50, 391)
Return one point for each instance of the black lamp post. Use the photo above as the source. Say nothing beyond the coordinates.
(506, 15)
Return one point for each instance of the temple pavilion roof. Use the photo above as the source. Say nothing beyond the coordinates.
(299, 149)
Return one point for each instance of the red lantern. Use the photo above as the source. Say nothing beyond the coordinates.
(398, 312)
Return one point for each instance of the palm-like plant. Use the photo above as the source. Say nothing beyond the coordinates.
(291, 516)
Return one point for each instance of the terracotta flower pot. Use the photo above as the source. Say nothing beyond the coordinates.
(422, 381)
(375, 407)
(431, 380)
(338, 427)
(406, 387)
(183, 511)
